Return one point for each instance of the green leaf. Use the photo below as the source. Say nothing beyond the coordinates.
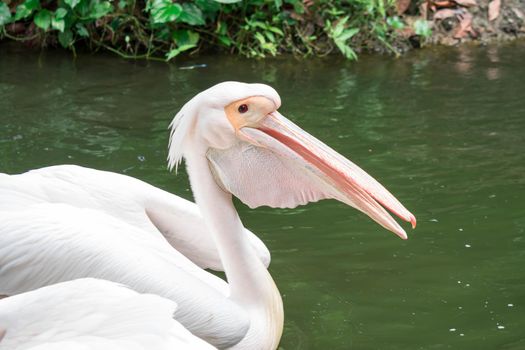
(100, 9)
(58, 24)
(257, 24)
(25, 9)
(32, 4)
(422, 28)
(185, 40)
(164, 33)
(222, 31)
(163, 11)
(347, 34)
(209, 8)
(226, 41)
(395, 22)
(191, 14)
(172, 53)
(22, 12)
(260, 38)
(81, 30)
(340, 27)
(228, 1)
(276, 30)
(298, 6)
(72, 3)
(222, 28)
(5, 14)
(177, 51)
(43, 19)
(60, 13)
(270, 36)
(65, 39)
(346, 50)
(185, 37)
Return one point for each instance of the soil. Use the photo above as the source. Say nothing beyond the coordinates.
(454, 22)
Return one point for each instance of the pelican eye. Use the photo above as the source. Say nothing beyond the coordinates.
(243, 108)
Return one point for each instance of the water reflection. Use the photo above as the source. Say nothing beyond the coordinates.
(464, 61)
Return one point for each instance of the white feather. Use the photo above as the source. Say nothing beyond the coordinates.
(48, 243)
(92, 314)
(125, 198)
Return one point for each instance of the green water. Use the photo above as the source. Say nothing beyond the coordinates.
(443, 130)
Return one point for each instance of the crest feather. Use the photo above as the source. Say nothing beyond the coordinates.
(180, 128)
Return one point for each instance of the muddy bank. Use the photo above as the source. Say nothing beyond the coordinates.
(452, 22)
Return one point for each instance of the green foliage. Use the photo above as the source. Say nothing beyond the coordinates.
(5, 14)
(185, 40)
(164, 11)
(72, 3)
(395, 22)
(26, 8)
(340, 34)
(65, 38)
(228, 1)
(163, 29)
(43, 19)
(57, 21)
(422, 28)
(257, 38)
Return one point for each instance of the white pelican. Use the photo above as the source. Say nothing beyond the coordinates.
(91, 314)
(125, 198)
(235, 143)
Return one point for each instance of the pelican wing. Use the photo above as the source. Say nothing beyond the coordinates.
(125, 198)
(92, 314)
(47, 243)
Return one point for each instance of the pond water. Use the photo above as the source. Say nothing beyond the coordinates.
(444, 130)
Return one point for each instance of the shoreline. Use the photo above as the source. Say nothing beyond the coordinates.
(409, 25)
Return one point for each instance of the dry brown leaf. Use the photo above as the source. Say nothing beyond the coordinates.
(465, 25)
(518, 13)
(443, 3)
(494, 7)
(423, 10)
(402, 6)
(297, 17)
(466, 3)
(445, 13)
(406, 32)
(308, 3)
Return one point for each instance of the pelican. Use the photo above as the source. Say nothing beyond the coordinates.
(234, 143)
(125, 198)
(92, 314)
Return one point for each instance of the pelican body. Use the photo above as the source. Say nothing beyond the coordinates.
(92, 314)
(125, 198)
(234, 143)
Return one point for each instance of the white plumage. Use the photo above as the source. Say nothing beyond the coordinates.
(91, 314)
(125, 198)
(56, 226)
(53, 242)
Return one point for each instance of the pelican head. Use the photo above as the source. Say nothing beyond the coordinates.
(262, 158)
